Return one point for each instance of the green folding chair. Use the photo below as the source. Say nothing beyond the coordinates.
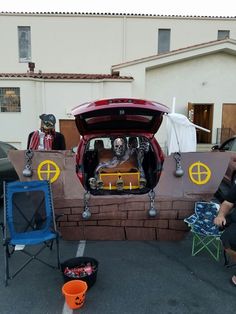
(206, 235)
(211, 244)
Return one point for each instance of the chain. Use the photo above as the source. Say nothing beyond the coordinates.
(152, 212)
(179, 171)
(27, 172)
(151, 195)
(86, 213)
(87, 196)
(177, 158)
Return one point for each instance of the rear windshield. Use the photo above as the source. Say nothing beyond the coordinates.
(118, 119)
(100, 143)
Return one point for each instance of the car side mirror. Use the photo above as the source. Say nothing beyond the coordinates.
(215, 147)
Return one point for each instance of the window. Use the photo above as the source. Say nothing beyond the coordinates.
(222, 34)
(2, 154)
(233, 148)
(24, 42)
(227, 145)
(10, 99)
(163, 40)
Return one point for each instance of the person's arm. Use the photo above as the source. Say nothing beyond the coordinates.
(226, 207)
(224, 210)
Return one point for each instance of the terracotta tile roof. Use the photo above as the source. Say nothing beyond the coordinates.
(120, 14)
(65, 76)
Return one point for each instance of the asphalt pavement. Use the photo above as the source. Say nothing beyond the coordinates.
(134, 277)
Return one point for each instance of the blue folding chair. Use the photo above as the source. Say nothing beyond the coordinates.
(29, 220)
(206, 235)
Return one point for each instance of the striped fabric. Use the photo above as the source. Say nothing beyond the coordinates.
(41, 141)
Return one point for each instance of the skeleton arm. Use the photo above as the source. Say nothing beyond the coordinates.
(107, 164)
(144, 148)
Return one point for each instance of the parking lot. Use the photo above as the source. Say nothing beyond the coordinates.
(133, 277)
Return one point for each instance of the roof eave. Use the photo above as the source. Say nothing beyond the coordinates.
(226, 45)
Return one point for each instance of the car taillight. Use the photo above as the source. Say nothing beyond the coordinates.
(119, 101)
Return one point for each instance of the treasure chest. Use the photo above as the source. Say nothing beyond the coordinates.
(129, 180)
(111, 180)
(125, 174)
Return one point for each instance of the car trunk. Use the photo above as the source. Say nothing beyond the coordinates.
(128, 171)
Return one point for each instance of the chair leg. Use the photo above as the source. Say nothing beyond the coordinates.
(58, 251)
(218, 249)
(50, 244)
(6, 257)
(32, 257)
(203, 242)
(58, 254)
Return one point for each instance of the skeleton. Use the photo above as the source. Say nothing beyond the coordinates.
(122, 154)
(144, 148)
(119, 147)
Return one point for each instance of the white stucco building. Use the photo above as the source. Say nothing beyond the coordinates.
(79, 57)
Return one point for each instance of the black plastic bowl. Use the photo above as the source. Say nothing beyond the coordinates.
(80, 262)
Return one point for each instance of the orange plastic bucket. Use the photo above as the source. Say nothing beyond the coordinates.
(74, 292)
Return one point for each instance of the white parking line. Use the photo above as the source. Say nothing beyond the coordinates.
(81, 247)
(80, 252)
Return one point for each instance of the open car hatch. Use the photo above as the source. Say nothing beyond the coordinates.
(110, 115)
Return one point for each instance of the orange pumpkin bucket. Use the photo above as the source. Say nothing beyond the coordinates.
(74, 292)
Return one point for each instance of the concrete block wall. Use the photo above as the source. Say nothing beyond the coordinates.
(124, 219)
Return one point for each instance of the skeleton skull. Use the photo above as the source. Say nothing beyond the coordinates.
(119, 146)
(93, 183)
(120, 184)
(142, 183)
(100, 184)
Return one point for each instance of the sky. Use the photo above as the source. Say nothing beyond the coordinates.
(158, 7)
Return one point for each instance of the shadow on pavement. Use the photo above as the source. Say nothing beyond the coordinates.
(134, 277)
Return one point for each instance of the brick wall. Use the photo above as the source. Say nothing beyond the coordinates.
(124, 219)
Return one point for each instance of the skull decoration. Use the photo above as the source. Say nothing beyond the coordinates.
(142, 183)
(99, 184)
(119, 146)
(92, 183)
(120, 184)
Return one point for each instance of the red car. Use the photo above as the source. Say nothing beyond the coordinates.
(118, 152)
